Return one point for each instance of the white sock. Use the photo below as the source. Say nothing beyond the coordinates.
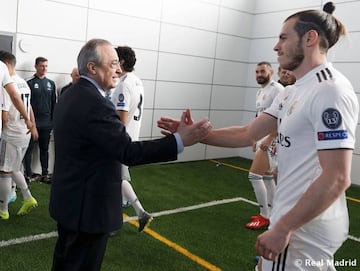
(270, 189)
(20, 181)
(5, 190)
(260, 192)
(128, 193)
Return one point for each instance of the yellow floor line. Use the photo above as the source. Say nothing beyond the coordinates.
(244, 169)
(175, 246)
(229, 165)
(353, 199)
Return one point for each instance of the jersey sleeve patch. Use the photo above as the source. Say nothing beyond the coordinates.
(121, 101)
(332, 135)
(331, 118)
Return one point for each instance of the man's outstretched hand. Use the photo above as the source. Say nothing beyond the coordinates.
(190, 132)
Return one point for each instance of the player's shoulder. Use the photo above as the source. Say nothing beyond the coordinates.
(276, 85)
(329, 79)
(50, 81)
(31, 78)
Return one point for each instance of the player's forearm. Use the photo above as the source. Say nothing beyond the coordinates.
(232, 137)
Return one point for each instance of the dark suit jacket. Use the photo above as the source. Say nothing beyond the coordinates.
(90, 145)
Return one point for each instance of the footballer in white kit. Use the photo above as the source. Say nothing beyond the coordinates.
(129, 96)
(15, 131)
(325, 94)
(266, 95)
(264, 98)
(5, 79)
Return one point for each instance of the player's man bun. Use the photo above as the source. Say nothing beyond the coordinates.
(329, 7)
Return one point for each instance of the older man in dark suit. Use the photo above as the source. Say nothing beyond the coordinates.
(90, 144)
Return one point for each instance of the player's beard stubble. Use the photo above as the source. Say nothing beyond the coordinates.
(296, 57)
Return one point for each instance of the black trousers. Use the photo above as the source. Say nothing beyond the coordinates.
(78, 251)
(44, 140)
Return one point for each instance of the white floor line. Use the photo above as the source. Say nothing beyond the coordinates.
(194, 207)
(52, 234)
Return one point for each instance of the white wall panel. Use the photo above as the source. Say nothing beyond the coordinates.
(276, 5)
(185, 68)
(82, 3)
(56, 19)
(347, 49)
(227, 98)
(250, 100)
(224, 118)
(181, 95)
(263, 49)
(230, 73)
(262, 28)
(62, 54)
(189, 41)
(8, 15)
(215, 2)
(355, 172)
(193, 153)
(120, 30)
(137, 8)
(350, 70)
(219, 152)
(232, 48)
(146, 123)
(242, 5)
(149, 90)
(235, 22)
(221, 119)
(192, 13)
(357, 143)
(146, 62)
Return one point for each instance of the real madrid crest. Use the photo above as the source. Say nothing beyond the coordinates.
(292, 107)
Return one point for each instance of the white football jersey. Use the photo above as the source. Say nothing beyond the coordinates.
(15, 130)
(266, 95)
(129, 96)
(5, 79)
(319, 112)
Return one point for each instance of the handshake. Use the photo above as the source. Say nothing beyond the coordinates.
(190, 132)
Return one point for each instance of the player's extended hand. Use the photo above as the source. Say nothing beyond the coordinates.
(272, 242)
(192, 132)
(170, 125)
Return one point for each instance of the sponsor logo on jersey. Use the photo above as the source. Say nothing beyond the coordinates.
(332, 135)
(284, 140)
(36, 85)
(331, 118)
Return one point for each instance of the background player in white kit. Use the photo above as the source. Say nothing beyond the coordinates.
(316, 124)
(128, 98)
(260, 174)
(14, 141)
